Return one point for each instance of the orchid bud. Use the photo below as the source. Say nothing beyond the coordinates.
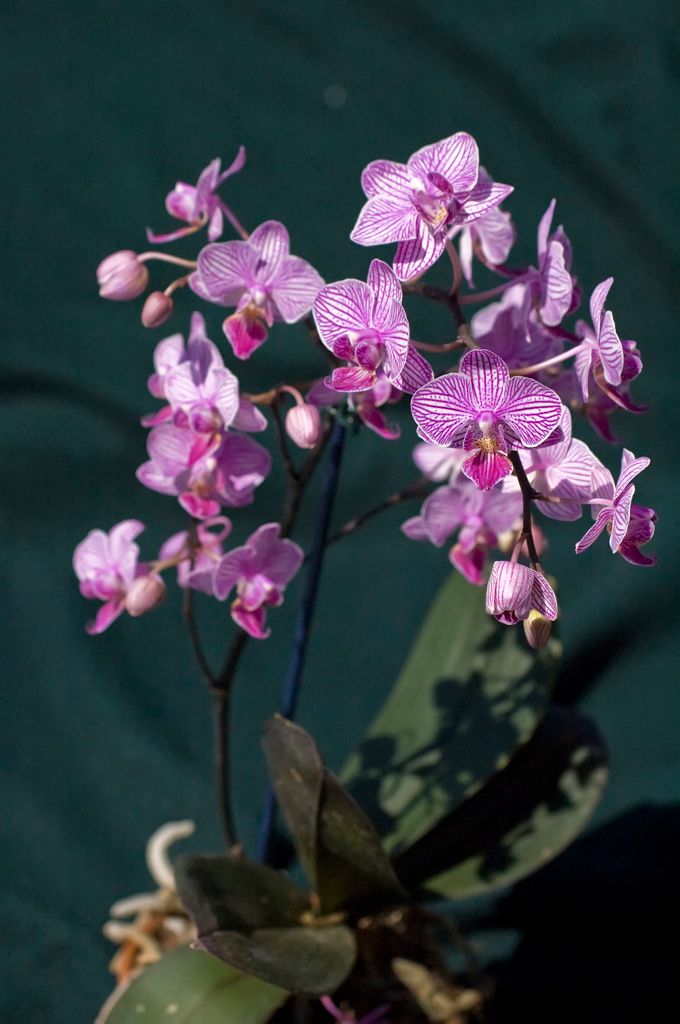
(537, 629)
(122, 276)
(515, 591)
(145, 594)
(303, 425)
(157, 309)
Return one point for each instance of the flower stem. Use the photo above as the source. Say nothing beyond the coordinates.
(165, 257)
(490, 293)
(291, 685)
(524, 370)
(528, 495)
(414, 490)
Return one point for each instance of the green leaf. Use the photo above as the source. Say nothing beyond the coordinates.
(470, 694)
(336, 842)
(233, 893)
(520, 819)
(251, 917)
(297, 770)
(311, 961)
(189, 987)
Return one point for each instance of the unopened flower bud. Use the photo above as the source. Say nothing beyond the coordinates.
(537, 629)
(303, 425)
(157, 309)
(122, 276)
(144, 595)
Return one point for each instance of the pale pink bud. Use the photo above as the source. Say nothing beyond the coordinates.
(122, 276)
(515, 590)
(303, 425)
(537, 629)
(157, 309)
(145, 594)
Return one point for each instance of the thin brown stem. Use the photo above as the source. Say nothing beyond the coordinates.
(528, 496)
(282, 439)
(414, 490)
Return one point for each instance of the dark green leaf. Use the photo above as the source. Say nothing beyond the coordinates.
(222, 892)
(251, 917)
(296, 769)
(347, 863)
(311, 961)
(522, 817)
(471, 692)
(190, 987)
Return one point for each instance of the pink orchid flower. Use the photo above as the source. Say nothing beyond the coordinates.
(198, 572)
(565, 471)
(107, 565)
(202, 481)
(615, 504)
(415, 204)
(480, 516)
(366, 325)
(368, 405)
(199, 204)
(203, 395)
(484, 410)
(551, 290)
(260, 571)
(260, 278)
(503, 328)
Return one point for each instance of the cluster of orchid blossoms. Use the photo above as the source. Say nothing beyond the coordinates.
(496, 433)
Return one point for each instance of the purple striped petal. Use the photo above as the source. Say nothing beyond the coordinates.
(496, 234)
(508, 592)
(610, 349)
(582, 364)
(415, 372)
(294, 288)
(351, 378)
(443, 409)
(556, 286)
(342, 308)
(385, 177)
(482, 199)
(455, 158)
(271, 243)
(226, 270)
(543, 598)
(630, 467)
(277, 559)
(415, 256)
(485, 469)
(621, 519)
(236, 165)
(230, 569)
(604, 517)
(488, 376)
(169, 447)
(597, 301)
(531, 410)
(386, 289)
(544, 229)
(249, 417)
(384, 219)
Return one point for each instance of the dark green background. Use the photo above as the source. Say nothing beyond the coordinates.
(106, 738)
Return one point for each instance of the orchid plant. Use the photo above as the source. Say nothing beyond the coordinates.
(445, 808)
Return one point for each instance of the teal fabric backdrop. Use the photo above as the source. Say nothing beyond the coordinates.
(104, 739)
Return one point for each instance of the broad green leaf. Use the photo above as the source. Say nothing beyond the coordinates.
(223, 892)
(191, 987)
(311, 960)
(251, 917)
(523, 817)
(341, 852)
(471, 692)
(296, 769)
